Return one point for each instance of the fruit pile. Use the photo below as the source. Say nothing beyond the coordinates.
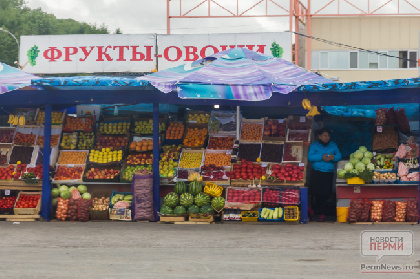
(72, 157)
(130, 170)
(140, 159)
(105, 155)
(111, 142)
(53, 141)
(191, 160)
(290, 212)
(25, 139)
(195, 137)
(296, 124)
(221, 143)
(27, 201)
(249, 152)
(56, 117)
(86, 141)
(143, 145)
(290, 196)
(170, 152)
(22, 154)
(217, 159)
(37, 171)
(251, 131)
(6, 136)
(247, 170)
(272, 153)
(7, 173)
(146, 127)
(295, 135)
(213, 173)
(246, 195)
(20, 170)
(3, 159)
(287, 172)
(167, 168)
(272, 128)
(7, 203)
(100, 204)
(68, 173)
(69, 141)
(198, 118)
(292, 153)
(182, 174)
(114, 128)
(175, 131)
(78, 124)
(95, 173)
(271, 196)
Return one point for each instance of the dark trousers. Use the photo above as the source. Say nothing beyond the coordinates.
(321, 190)
(320, 204)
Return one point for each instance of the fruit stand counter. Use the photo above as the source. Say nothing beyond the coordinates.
(20, 185)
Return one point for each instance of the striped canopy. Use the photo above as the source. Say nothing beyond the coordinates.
(12, 78)
(235, 74)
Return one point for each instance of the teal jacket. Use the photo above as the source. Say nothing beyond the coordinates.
(317, 150)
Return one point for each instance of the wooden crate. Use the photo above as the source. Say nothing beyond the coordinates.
(206, 220)
(172, 219)
(27, 211)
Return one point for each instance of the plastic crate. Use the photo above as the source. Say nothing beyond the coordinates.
(270, 220)
(355, 180)
(114, 193)
(250, 219)
(294, 208)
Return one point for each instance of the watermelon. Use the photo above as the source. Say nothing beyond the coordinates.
(166, 210)
(206, 209)
(193, 209)
(171, 200)
(195, 187)
(202, 199)
(179, 210)
(218, 203)
(180, 187)
(186, 200)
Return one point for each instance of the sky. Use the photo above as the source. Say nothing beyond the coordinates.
(149, 16)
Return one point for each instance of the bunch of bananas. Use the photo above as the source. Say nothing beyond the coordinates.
(313, 110)
(16, 120)
(195, 176)
(213, 190)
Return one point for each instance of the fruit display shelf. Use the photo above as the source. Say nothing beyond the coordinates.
(57, 117)
(26, 135)
(274, 130)
(73, 157)
(80, 123)
(102, 174)
(243, 198)
(298, 136)
(220, 143)
(6, 135)
(285, 174)
(28, 211)
(252, 130)
(69, 174)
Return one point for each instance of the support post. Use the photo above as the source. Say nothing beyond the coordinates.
(156, 179)
(304, 205)
(419, 166)
(238, 118)
(46, 185)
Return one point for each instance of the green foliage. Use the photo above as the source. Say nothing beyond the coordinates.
(20, 20)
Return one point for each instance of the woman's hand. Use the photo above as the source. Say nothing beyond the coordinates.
(328, 157)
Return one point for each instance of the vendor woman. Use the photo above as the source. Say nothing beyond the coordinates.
(323, 154)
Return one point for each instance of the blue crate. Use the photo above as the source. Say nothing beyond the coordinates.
(114, 193)
(270, 220)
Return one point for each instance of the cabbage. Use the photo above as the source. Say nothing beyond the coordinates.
(86, 196)
(360, 167)
(354, 172)
(370, 166)
(54, 202)
(63, 188)
(71, 188)
(341, 173)
(55, 192)
(366, 161)
(82, 189)
(362, 149)
(354, 161)
(65, 194)
(358, 155)
(351, 155)
(348, 166)
(368, 154)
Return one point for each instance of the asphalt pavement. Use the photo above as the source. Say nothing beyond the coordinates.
(231, 250)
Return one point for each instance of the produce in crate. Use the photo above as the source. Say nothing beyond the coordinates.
(383, 161)
(171, 200)
(213, 190)
(387, 139)
(193, 209)
(180, 187)
(290, 212)
(100, 204)
(56, 117)
(272, 153)
(221, 143)
(121, 197)
(247, 171)
(21, 154)
(195, 137)
(69, 141)
(272, 128)
(200, 118)
(167, 169)
(78, 124)
(6, 136)
(53, 141)
(249, 152)
(287, 172)
(142, 145)
(7, 172)
(247, 196)
(72, 157)
(175, 131)
(202, 199)
(186, 199)
(191, 160)
(290, 196)
(182, 174)
(271, 196)
(130, 170)
(195, 176)
(145, 127)
(405, 175)
(195, 187)
(218, 203)
(249, 214)
(272, 214)
(27, 201)
(213, 173)
(384, 175)
(7, 203)
(141, 159)
(180, 210)
(217, 159)
(25, 139)
(171, 152)
(292, 153)
(206, 209)
(86, 141)
(95, 173)
(251, 131)
(166, 210)
(114, 128)
(105, 155)
(296, 135)
(68, 173)
(111, 142)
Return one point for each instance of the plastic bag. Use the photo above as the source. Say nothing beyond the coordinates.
(389, 211)
(355, 210)
(75, 194)
(73, 208)
(376, 211)
(62, 209)
(401, 211)
(365, 211)
(83, 208)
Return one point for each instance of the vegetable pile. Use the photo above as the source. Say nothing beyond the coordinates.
(359, 165)
(389, 211)
(412, 210)
(376, 211)
(401, 211)
(272, 214)
(388, 139)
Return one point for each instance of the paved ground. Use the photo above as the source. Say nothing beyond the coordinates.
(149, 250)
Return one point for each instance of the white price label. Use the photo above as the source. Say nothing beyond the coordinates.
(379, 129)
(264, 165)
(281, 121)
(193, 121)
(229, 152)
(302, 119)
(71, 166)
(301, 164)
(7, 192)
(374, 153)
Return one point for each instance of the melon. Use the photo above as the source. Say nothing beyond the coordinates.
(202, 199)
(179, 210)
(206, 209)
(186, 199)
(166, 210)
(195, 187)
(171, 200)
(180, 187)
(193, 209)
(218, 203)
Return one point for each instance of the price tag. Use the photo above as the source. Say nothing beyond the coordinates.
(301, 164)
(192, 121)
(379, 129)
(374, 153)
(71, 166)
(264, 165)
(281, 121)
(229, 152)
(7, 192)
(302, 119)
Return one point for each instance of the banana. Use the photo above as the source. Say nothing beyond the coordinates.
(22, 120)
(15, 120)
(306, 104)
(314, 111)
(10, 119)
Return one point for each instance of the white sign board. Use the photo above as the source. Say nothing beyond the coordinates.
(54, 54)
(175, 50)
(88, 53)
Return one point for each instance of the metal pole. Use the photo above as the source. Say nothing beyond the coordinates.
(46, 185)
(238, 126)
(168, 18)
(304, 205)
(156, 179)
(418, 200)
(309, 30)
